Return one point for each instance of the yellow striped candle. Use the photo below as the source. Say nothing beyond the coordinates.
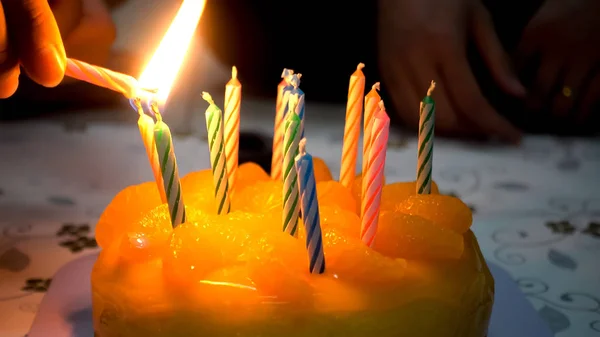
(371, 106)
(354, 108)
(214, 126)
(233, 100)
(372, 183)
(168, 167)
(283, 92)
(146, 126)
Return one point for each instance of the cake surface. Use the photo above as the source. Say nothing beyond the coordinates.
(240, 275)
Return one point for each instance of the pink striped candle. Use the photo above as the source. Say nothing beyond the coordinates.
(372, 183)
(283, 92)
(354, 108)
(125, 84)
(371, 106)
(233, 100)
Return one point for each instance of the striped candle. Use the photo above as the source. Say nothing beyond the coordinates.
(214, 126)
(102, 77)
(291, 207)
(371, 106)
(146, 126)
(299, 109)
(425, 150)
(233, 100)
(372, 183)
(310, 210)
(168, 167)
(283, 91)
(354, 108)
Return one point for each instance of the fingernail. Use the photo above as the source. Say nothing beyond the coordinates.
(54, 64)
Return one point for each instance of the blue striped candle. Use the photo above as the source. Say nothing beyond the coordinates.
(310, 210)
(295, 82)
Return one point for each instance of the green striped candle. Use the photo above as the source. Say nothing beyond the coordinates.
(291, 195)
(425, 149)
(216, 146)
(168, 168)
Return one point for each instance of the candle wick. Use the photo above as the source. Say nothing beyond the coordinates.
(234, 72)
(137, 105)
(377, 86)
(207, 97)
(287, 73)
(431, 88)
(360, 66)
(154, 108)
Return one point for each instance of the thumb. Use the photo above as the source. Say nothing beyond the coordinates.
(32, 26)
(493, 53)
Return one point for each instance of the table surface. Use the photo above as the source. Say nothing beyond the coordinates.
(536, 206)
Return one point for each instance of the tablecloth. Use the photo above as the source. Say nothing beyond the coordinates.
(536, 206)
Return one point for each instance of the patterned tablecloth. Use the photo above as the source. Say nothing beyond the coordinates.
(537, 206)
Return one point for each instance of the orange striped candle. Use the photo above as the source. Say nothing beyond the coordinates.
(233, 100)
(283, 92)
(372, 183)
(354, 108)
(371, 106)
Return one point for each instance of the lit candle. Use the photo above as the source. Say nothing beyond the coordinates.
(371, 106)
(102, 77)
(168, 167)
(310, 210)
(214, 126)
(233, 100)
(425, 150)
(146, 126)
(354, 108)
(295, 82)
(372, 183)
(283, 91)
(291, 141)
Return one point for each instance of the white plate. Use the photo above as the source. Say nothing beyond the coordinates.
(66, 310)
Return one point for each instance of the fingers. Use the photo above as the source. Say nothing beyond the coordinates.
(570, 87)
(493, 53)
(92, 39)
(423, 71)
(590, 99)
(468, 99)
(37, 40)
(548, 75)
(403, 96)
(9, 68)
(67, 14)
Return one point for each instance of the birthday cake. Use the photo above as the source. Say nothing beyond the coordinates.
(239, 274)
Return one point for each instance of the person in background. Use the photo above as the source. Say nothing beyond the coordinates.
(502, 66)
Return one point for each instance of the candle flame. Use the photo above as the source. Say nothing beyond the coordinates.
(161, 71)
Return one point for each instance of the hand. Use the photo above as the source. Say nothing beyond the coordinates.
(424, 40)
(35, 42)
(563, 36)
(91, 38)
